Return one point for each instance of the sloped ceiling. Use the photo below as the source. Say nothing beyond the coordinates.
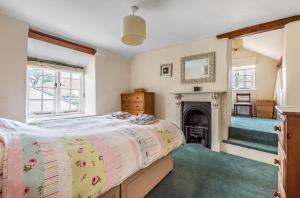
(268, 43)
(98, 22)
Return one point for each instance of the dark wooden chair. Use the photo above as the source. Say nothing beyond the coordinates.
(243, 100)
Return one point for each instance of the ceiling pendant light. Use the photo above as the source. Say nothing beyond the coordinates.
(134, 29)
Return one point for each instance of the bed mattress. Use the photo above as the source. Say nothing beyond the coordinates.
(78, 157)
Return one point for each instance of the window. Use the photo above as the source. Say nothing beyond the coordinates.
(53, 91)
(70, 84)
(243, 78)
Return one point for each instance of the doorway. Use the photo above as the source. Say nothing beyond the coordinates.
(255, 82)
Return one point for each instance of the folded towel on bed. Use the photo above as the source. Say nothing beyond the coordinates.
(143, 119)
(120, 115)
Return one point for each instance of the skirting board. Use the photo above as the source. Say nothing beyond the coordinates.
(215, 147)
(249, 153)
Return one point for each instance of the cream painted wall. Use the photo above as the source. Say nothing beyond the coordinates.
(107, 74)
(112, 72)
(13, 59)
(265, 75)
(90, 87)
(145, 72)
(291, 64)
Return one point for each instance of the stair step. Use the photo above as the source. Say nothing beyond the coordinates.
(250, 135)
(252, 145)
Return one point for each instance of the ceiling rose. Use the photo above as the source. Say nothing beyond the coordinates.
(134, 29)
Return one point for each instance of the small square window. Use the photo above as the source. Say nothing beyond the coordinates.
(243, 78)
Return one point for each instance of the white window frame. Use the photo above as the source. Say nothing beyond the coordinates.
(57, 95)
(253, 76)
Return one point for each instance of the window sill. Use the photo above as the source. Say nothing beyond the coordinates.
(56, 117)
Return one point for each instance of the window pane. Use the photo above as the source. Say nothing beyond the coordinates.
(75, 104)
(75, 84)
(35, 106)
(76, 76)
(233, 86)
(240, 72)
(75, 93)
(241, 79)
(65, 100)
(75, 99)
(48, 105)
(48, 93)
(65, 79)
(248, 72)
(248, 85)
(35, 71)
(49, 81)
(49, 73)
(34, 93)
(248, 78)
(240, 86)
(65, 83)
(65, 94)
(65, 74)
(64, 106)
(35, 80)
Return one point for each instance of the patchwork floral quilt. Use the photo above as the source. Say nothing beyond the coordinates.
(78, 157)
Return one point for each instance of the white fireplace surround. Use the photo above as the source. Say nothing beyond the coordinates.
(204, 96)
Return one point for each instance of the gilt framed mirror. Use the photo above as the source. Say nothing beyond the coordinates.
(198, 68)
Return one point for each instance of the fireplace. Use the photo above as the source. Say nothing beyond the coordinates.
(209, 104)
(196, 122)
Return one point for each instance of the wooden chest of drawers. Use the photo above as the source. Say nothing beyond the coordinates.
(288, 152)
(138, 102)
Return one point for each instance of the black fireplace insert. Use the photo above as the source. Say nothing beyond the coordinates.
(196, 122)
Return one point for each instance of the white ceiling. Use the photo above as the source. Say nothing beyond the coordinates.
(268, 43)
(98, 22)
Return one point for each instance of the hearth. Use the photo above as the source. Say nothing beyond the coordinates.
(196, 122)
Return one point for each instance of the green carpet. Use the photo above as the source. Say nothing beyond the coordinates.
(255, 124)
(256, 133)
(202, 173)
(253, 145)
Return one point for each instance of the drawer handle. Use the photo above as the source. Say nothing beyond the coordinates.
(277, 128)
(277, 194)
(276, 161)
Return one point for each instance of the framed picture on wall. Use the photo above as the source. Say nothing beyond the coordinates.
(166, 70)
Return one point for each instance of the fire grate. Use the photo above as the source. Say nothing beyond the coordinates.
(197, 134)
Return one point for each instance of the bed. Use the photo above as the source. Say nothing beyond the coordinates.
(97, 156)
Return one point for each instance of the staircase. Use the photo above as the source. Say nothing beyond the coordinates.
(253, 133)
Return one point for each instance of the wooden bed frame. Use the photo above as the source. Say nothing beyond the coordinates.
(139, 184)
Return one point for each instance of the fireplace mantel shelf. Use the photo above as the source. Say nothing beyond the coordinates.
(213, 94)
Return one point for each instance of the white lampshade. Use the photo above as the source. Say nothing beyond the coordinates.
(237, 43)
(134, 30)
